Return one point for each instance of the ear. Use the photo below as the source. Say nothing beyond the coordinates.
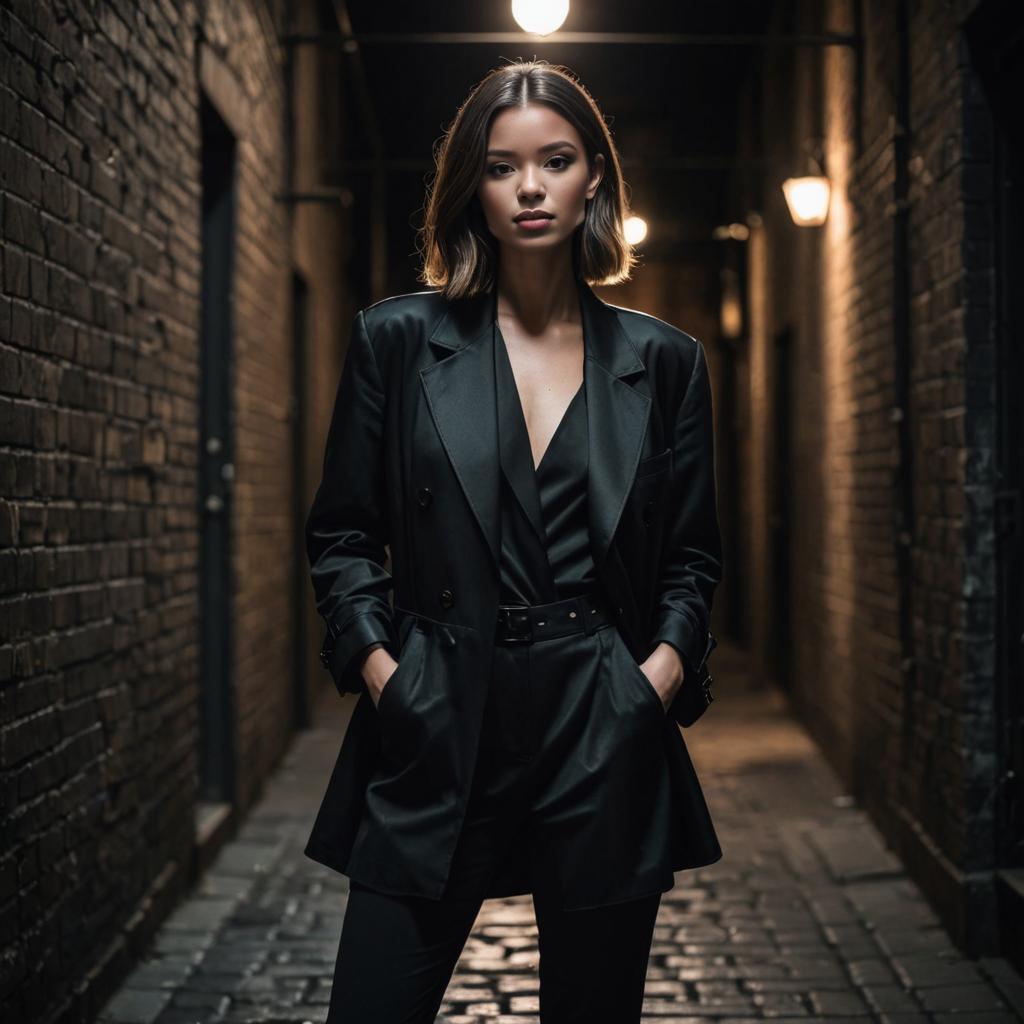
(597, 173)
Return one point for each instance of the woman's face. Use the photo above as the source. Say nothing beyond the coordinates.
(535, 161)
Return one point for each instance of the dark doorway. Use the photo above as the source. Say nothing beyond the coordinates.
(730, 492)
(995, 34)
(216, 455)
(300, 574)
(779, 514)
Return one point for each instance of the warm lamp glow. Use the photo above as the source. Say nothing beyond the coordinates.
(731, 309)
(807, 199)
(731, 233)
(540, 17)
(731, 317)
(635, 230)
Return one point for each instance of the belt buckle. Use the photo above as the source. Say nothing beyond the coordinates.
(518, 628)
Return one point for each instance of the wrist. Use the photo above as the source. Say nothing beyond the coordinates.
(375, 664)
(670, 656)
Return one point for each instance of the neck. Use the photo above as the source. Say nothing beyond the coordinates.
(536, 291)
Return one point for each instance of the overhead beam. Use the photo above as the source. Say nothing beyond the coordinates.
(357, 39)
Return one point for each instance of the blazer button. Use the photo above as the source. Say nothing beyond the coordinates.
(648, 513)
(447, 598)
(423, 496)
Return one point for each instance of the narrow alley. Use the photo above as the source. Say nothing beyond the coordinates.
(252, 445)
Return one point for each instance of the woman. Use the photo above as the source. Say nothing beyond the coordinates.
(540, 465)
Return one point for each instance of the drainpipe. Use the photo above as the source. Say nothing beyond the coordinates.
(378, 178)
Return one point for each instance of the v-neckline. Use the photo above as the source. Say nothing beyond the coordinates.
(555, 433)
(500, 339)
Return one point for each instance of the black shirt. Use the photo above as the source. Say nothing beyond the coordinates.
(545, 542)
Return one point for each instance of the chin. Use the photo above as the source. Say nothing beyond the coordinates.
(541, 241)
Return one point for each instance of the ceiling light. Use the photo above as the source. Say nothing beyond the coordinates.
(540, 17)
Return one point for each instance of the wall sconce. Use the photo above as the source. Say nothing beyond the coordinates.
(808, 197)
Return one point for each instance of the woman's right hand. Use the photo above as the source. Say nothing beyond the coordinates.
(377, 669)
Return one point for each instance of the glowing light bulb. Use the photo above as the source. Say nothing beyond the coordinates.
(635, 230)
(541, 17)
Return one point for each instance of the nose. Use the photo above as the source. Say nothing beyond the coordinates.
(530, 185)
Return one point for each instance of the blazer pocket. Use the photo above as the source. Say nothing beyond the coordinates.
(410, 632)
(655, 464)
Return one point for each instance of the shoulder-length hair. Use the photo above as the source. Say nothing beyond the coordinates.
(459, 251)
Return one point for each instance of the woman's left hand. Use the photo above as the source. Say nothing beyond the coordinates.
(664, 668)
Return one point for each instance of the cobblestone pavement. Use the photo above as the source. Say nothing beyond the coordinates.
(806, 917)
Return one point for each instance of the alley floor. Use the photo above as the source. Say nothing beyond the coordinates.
(806, 917)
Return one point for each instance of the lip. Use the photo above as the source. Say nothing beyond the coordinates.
(533, 223)
(532, 216)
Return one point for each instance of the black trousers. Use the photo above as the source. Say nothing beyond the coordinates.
(546, 714)
(397, 955)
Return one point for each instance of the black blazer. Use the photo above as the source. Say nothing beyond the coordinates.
(411, 462)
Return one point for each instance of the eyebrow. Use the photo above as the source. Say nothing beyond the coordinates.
(543, 149)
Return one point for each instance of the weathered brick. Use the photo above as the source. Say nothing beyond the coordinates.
(912, 758)
(100, 209)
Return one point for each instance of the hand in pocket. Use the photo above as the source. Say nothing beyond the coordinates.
(666, 675)
(377, 669)
(383, 686)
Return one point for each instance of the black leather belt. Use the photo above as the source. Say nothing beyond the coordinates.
(524, 624)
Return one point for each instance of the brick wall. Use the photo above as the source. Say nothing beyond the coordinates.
(913, 751)
(99, 519)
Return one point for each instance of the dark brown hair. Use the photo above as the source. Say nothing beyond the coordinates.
(458, 249)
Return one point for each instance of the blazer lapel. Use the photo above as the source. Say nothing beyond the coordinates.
(617, 417)
(460, 393)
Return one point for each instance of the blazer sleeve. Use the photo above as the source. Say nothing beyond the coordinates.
(692, 561)
(346, 529)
